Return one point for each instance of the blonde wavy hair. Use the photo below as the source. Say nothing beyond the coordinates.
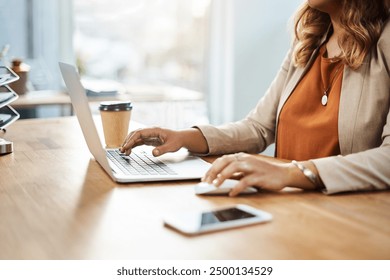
(362, 21)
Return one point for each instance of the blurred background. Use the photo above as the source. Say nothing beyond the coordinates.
(180, 62)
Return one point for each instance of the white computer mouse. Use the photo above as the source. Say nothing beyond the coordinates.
(209, 189)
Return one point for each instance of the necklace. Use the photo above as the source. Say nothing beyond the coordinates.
(324, 99)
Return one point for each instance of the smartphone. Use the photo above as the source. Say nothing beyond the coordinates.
(192, 223)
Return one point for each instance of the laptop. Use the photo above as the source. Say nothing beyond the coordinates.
(141, 165)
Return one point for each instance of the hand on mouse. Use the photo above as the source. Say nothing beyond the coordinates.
(256, 171)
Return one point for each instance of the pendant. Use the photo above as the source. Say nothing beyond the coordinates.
(324, 100)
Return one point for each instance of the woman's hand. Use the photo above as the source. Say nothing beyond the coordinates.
(165, 140)
(255, 171)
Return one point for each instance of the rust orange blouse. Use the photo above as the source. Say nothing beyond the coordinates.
(306, 128)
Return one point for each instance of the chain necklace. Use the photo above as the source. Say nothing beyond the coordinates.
(324, 99)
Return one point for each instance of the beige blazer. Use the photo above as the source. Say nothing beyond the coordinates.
(364, 123)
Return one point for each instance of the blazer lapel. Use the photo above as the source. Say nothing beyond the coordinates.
(297, 76)
(351, 93)
(299, 73)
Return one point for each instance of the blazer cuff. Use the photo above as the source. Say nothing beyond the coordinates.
(331, 175)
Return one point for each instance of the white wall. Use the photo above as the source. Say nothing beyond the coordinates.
(261, 40)
(254, 46)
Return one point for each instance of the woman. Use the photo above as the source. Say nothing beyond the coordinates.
(327, 109)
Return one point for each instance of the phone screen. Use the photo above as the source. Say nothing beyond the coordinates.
(194, 222)
(224, 215)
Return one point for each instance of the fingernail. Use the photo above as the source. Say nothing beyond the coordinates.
(156, 152)
(216, 182)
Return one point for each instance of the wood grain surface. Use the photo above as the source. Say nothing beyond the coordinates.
(57, 203)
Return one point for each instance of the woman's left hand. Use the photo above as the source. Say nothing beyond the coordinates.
(254, 170)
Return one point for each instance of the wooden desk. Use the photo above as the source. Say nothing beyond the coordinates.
(166, 106)
(42, 98)
(141, 93)
(35, 99)
(57, 203)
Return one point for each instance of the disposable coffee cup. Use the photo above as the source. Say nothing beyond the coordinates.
(115, 118)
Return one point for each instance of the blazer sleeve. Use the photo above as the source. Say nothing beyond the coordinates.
(369, 169)
(256, 131)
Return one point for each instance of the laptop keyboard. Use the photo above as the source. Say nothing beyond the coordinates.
(139, 163)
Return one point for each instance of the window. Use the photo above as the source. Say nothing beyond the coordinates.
(143, 41)
(38, 32)
(229, 50)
